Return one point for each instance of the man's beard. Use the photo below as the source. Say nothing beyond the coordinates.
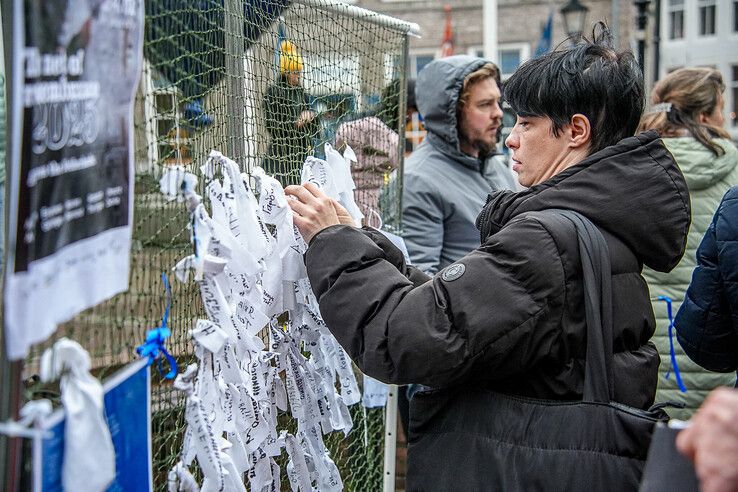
(484, 148)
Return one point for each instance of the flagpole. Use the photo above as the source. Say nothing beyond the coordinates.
(615, 25)
(447, 45)
(489, 14)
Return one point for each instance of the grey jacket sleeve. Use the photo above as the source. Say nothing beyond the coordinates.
(496, 320)
(423, 213)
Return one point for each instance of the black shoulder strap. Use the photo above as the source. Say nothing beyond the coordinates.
(597, 276)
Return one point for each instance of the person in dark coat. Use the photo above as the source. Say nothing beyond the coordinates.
(707, 330)
(509, 316)
(707, 322)
(289, 120)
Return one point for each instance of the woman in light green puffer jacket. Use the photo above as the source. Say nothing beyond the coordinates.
(687, 111)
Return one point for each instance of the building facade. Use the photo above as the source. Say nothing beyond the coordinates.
(703, 33)
(520, 24)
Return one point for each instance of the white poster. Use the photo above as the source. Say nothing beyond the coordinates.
(76, 67)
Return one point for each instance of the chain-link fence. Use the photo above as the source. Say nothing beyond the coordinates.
(266, 82)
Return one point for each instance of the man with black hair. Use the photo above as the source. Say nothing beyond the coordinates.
(509, 317)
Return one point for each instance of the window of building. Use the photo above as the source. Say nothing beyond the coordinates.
(734, 107)
(510, 56)
(735, 15)
(509, 60)
(418, 61)
(478, 51)
(707, 17)
(676, 19)
(327, 74)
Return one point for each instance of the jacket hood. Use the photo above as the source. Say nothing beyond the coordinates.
(701, 168)
(634, 190)
(437, 94)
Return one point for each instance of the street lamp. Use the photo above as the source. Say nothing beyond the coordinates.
(574, 14)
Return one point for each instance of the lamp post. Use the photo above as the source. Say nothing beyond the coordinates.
(641, 22)
(574, 14)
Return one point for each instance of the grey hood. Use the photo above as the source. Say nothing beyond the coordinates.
(437, 94)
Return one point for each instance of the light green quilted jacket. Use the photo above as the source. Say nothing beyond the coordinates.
(708, 178)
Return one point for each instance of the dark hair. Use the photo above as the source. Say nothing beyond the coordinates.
(589, 78)
(389, 104)
(411, 104)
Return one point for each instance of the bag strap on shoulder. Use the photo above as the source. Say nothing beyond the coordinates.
(597, 276)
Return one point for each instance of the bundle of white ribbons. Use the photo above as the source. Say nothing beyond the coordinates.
(248, 264)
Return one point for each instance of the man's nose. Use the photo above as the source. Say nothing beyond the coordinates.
(497, 112)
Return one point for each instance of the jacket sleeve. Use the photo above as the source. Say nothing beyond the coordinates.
(393, 255)
(273, 114)
(706, 322)
(423, 214)
(727, 237)
(496, 320)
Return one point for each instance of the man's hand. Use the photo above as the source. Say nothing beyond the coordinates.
(711, 441)
(305, 118)
(343, 216)
(313, 210)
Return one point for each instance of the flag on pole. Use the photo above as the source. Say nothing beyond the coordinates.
(544, 43)
(447, 47)
(281, 36)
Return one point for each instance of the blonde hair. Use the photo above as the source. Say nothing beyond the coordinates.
(484, 72)
(692, 92)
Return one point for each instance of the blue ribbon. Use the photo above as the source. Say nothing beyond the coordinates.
(153, 347)
(672, 353)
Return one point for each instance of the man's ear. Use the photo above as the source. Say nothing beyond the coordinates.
(580, 131)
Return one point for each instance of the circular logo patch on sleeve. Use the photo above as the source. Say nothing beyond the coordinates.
(453, 272)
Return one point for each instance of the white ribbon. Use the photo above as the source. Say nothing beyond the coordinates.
(253, 235)
(180, 479)
(32, 414)
(248, 276)
(297, 469)
(341, 168)
(201, 439)
(89, 456)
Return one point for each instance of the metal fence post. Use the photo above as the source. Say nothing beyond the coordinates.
(234, 63)
(10, 371)
(390, 439)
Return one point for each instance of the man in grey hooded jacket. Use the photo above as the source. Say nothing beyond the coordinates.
(447, 179)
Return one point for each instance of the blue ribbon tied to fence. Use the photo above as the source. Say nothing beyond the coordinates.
(153, 347)
(672, 353)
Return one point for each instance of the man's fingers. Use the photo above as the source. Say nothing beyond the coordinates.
(307, 193)
(299, 208)
(314, 190)
(340, 209)
(685, 442)
(299, 192)
(344, 217)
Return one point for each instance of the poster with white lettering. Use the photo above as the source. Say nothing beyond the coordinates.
(76, 68)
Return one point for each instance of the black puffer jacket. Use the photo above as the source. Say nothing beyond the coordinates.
(513, 321)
